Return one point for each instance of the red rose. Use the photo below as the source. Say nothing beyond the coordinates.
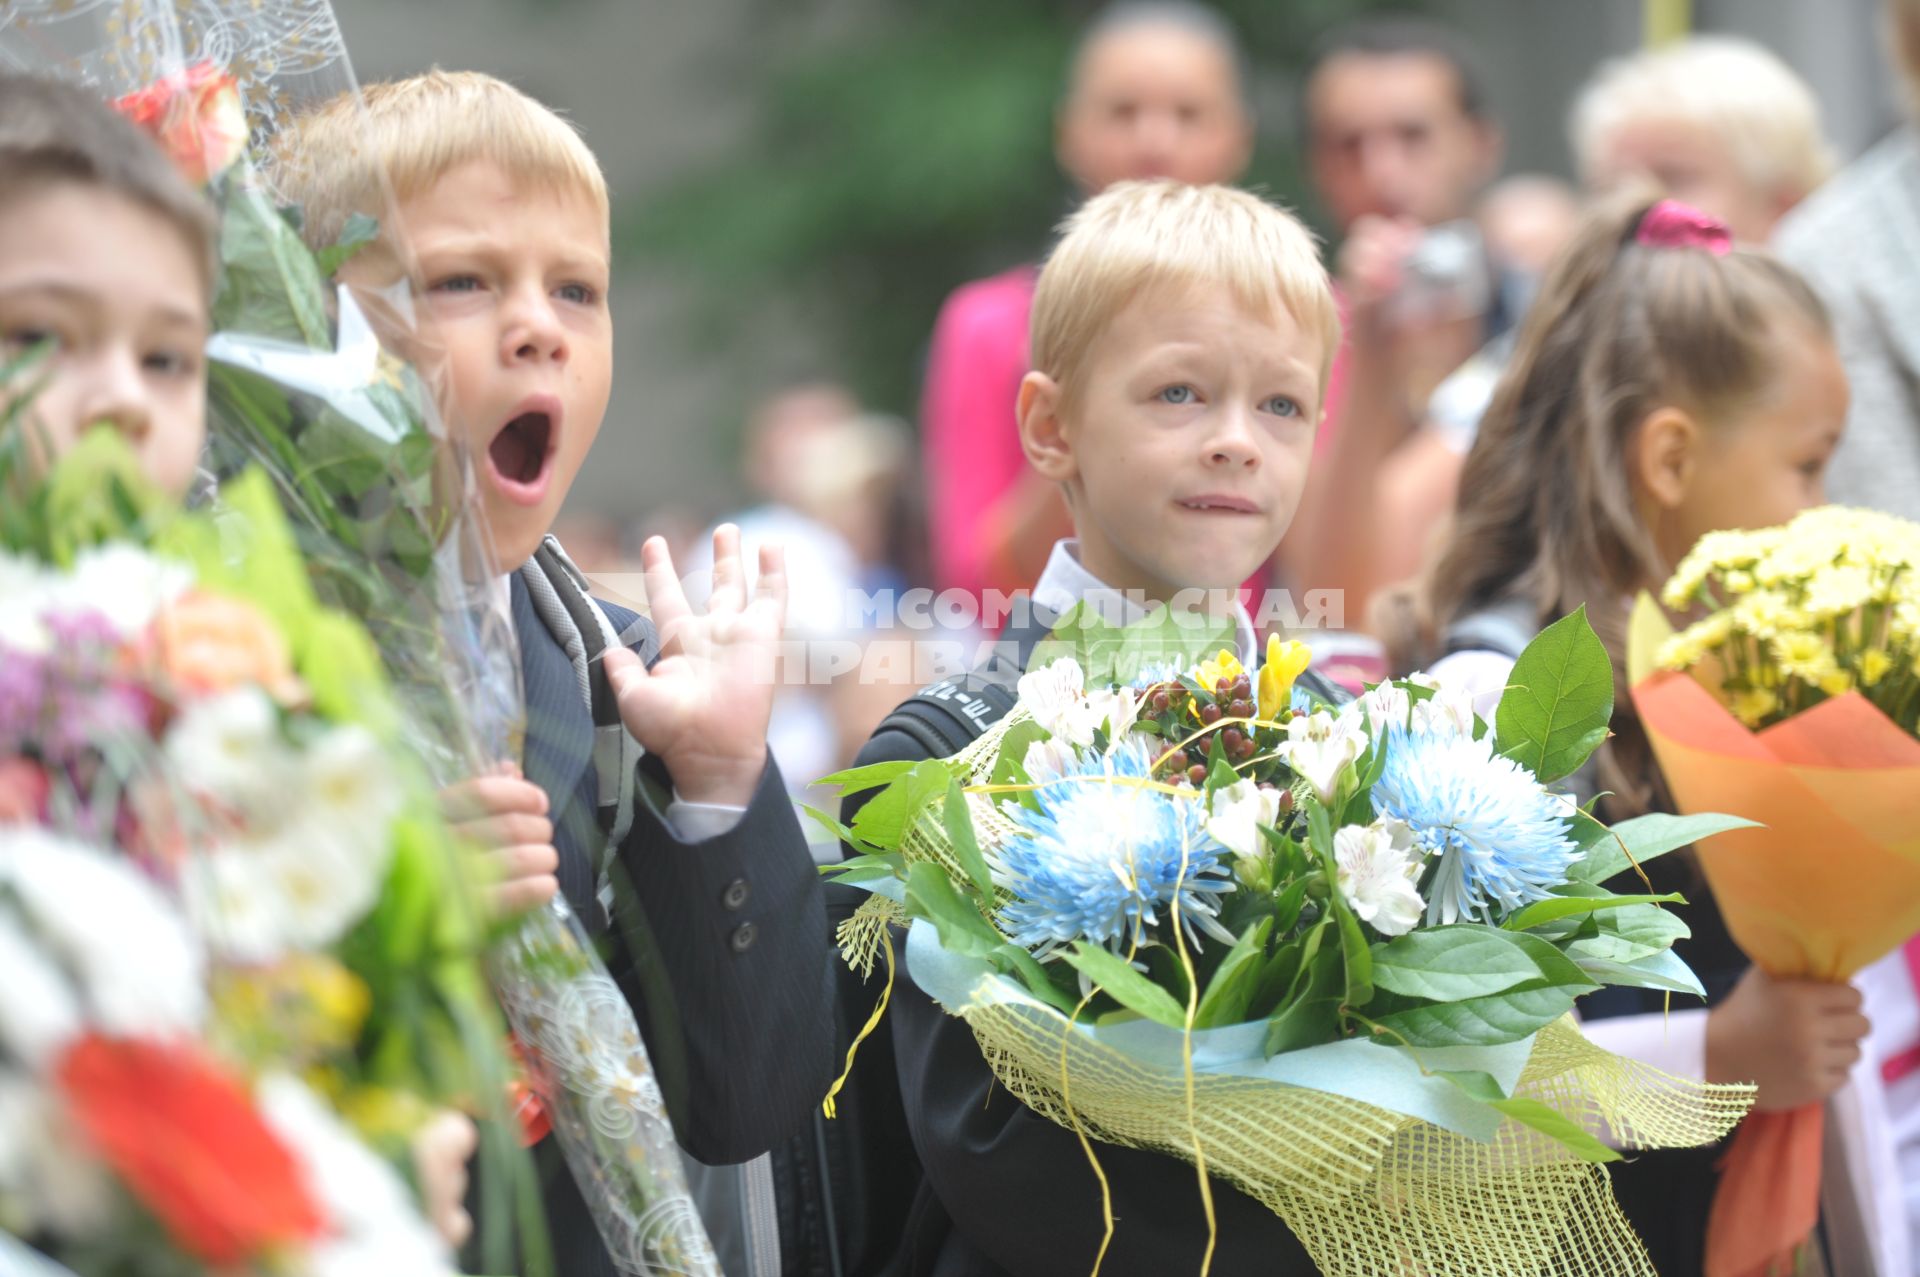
(186, 1140)
(196, 117)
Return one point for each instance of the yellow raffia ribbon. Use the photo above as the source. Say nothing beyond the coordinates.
(827, 1105)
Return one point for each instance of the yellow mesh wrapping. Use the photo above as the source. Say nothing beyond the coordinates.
(1372, 1193)
(1369, 1193)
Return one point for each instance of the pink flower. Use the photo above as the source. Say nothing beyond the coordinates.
(196, 117)
(23, 791)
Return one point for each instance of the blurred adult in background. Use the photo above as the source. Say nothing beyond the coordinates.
(1154, 89)
(1400, 143)
(1717, 121)
(1858, 240)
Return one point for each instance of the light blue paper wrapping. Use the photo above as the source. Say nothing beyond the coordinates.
(1386, 1077)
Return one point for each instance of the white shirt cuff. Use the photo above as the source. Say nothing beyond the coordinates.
(697, 822)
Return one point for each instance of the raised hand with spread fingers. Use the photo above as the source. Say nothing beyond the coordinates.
(703, 706)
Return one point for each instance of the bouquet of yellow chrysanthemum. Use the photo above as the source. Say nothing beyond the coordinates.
(1794, 702)
(1805, 613)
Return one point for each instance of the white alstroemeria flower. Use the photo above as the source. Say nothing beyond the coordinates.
(123, 583)
(1117, 708)
(1239, 810)
(1377, 868)
(140, 971)
(1448, 711)
(1048, 760)
(376, 1228)
(229, 748)
(1054, 696)
(1379, 708)
(1319, 747)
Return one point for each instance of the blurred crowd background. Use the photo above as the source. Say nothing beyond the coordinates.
(800, 186)
(799, 183)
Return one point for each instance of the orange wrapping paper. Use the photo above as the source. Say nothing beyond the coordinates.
(1830, 884)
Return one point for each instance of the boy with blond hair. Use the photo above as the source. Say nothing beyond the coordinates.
(1715, 121)
(1182, 338)
(501, 232)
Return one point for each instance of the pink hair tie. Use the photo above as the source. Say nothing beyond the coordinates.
(1671, 224)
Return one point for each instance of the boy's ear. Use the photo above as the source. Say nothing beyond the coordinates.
(1661, 456)
(1043, 436)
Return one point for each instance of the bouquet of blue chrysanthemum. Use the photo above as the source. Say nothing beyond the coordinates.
(1326, 953)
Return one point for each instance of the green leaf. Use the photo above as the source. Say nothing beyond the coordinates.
(1554, 1123)
(1475, 1084)
(1230, 991)
(1648, 837)
(1551, 910)
(838, 830)
(1484, 1021)
(931, 895)
(1555, 967)
(1128, 987)
(1286, 905)
(863, 869)
(1115, 653)
(1629, 934)
(1314, 1016)
(888, 815)
(1355, 958)
(966, 848)
(359, 231)
(1450, 964)
(858, 780)
(1662, 970)
(1559, 700)
(1009, 767)
(1320, 833)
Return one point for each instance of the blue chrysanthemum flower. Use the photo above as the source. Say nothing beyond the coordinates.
(1153, 674)
(1497, 838)
(1100, 861)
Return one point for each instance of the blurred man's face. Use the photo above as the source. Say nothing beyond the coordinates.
(1154, 101)
(1391, 138)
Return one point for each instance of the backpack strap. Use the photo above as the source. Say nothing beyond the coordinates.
(948, 716)
(558, 591)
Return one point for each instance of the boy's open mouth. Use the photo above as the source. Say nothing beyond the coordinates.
(520, 453)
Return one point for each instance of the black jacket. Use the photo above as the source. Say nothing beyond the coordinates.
(1008, 1193)
(721, 946)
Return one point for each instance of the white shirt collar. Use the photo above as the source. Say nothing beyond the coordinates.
(1066, 582)
(502, 592)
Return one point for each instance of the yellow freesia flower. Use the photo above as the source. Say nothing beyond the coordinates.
(1284, 663)
(1224, 666)
(1874, 665)
(1836, 682)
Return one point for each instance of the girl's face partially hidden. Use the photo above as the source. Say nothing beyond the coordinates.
(114, 295)
(1764, 468)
